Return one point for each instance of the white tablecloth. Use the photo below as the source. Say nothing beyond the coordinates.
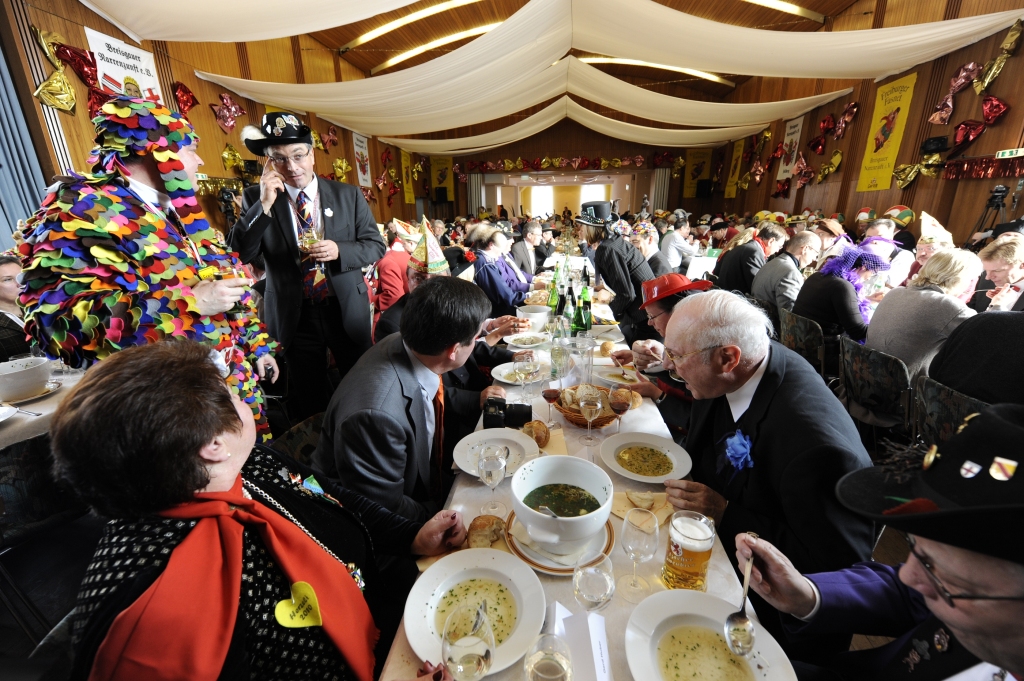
(25, 426)
(469, 494)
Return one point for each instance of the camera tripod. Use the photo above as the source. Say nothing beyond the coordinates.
(993, 214)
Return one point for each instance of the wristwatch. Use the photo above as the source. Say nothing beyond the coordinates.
(662, 398)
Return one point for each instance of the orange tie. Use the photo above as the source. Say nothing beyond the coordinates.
(437, 455)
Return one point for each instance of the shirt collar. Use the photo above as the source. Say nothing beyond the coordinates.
(740, 399)
(153, 197)
(310, 189)
(427, 379)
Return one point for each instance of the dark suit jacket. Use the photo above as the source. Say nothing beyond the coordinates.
(520, 254)
(659, 264)
(351, 225)
(374, 438)
(803, 441)
(737, 268)
(869, 598)
(832, 302)
(973, 359)
(13, 340)
(544, 251)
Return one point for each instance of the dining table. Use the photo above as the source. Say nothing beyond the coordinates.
(468, 495)
(34, 416)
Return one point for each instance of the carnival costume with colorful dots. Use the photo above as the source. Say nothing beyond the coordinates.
(103, 272)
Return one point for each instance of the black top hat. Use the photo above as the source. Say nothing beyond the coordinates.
(966, 493)
(595, 213)
(278, 127)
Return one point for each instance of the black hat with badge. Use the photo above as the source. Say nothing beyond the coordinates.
(967, 492)
(278, 127)
(596, 213)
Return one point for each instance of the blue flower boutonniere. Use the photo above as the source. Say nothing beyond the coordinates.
(737, 450)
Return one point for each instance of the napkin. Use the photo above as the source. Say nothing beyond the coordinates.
(519, 532)
(661, 509)
(556, 444)
(587, 637)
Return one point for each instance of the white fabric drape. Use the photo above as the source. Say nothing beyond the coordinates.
(567, 108)
(659, 188)
(229, 21)
(475, 187)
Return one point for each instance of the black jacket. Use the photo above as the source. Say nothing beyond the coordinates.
(832, 302)
(737, 268)
(347, 221)
(979, 358)
(624, 270)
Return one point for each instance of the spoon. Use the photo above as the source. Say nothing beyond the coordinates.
(624, 375)
(739, 630)
(23, 411)
(547, 511)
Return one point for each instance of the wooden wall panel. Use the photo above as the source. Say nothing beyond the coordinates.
(317, 61)
(267, 60)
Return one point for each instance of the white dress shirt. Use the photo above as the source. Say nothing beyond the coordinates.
(428, 382)
(739, 400)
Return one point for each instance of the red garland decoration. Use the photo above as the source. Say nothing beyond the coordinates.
(993, 109)
(184, 97)
(368, 194)
(781, 189)
(845, 119)
(385, 156)
(329, 138)
(381, 180)
(987, 167)
(775, 155)
(392, 190)
(83, 63)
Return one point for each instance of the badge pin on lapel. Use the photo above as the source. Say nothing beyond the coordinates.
(969, 469)
(1002, 469)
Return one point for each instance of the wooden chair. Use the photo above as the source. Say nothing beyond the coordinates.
(300, 442)
(804, 337)
(878, 387)
(940, 410)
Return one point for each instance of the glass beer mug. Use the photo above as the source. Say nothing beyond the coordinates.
(691, 536)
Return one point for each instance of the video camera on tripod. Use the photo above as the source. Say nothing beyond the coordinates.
(994, 213)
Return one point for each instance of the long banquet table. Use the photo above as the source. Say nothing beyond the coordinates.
(468, 494)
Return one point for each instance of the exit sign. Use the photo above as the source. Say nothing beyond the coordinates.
(1010, 153)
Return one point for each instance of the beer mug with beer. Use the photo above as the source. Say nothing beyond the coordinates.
(691, 537)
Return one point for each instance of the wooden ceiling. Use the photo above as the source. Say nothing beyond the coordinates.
(737, 12)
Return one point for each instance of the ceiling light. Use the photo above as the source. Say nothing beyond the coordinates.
(404, 21)
(789, 8)
(678, 69)
(480, 30)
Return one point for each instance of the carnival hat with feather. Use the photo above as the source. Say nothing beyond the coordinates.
(278, 127)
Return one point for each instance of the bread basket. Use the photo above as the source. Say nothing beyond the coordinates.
(574, 416)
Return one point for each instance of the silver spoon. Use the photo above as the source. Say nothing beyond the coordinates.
(547, 511)
(23, 411)
(739, 630)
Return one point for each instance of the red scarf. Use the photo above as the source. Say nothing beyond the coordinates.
(763, 245)
(181, 627)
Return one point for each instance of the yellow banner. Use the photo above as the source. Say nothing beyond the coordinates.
(407, 188)
(888, 121)
(441, 175)
(734, 169)
(698, 167)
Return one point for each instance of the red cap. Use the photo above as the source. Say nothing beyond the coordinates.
(668, 285)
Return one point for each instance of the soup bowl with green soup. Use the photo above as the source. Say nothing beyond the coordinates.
(579, 492)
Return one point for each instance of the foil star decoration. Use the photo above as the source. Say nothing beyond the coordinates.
(227, 112)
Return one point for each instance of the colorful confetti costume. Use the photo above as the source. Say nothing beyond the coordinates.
(103, 271)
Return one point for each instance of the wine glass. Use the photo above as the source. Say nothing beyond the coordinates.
(526, 371)
(593, 580)
(467, 645)
(560, 360)
(491, 469)
(590, 407)
(620, 407)
(640, 542)
(548, 659)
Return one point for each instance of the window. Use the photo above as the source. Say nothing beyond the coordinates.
(593, 192)
(542, 200)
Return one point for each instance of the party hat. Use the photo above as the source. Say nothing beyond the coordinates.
(428, 257)
(405, 231)
(932, 231)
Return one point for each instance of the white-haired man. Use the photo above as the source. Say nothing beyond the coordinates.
(310, 309)
(768, 439)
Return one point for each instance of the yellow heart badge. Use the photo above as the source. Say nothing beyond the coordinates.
(302, 610)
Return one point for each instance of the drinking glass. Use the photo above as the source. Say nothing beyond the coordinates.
(691, 536)
(590, 407)
(491, 469)
(526, 371)
(640, 542)
(551, 396)
(467, 645)
(309, 238)
(620, 407)
(593, 580)
(560, 363)
(548, 659)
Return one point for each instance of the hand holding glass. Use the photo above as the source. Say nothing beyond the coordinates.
(640, 543)
(467, 644)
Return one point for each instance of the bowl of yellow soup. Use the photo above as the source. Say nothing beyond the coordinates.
(579, 492)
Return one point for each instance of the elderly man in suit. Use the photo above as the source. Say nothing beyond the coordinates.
(768, 439)
(383, 433)
(316, 299)
(737, 268)
(780, 280)
(524, 253)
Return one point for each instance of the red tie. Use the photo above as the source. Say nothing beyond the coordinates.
(437, 454)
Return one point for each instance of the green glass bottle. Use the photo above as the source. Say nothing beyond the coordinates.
(553, 297)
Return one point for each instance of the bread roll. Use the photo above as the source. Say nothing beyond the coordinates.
(643, 500)
(538, 431)
(621, 395)
(637, 399)
(607, 348)
(485, 530)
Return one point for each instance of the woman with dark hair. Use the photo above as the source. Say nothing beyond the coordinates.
(834, 296)
(221, 559)
(624, 270)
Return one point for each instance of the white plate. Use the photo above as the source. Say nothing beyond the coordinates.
(612, 376)
(514, 574)
(616, 443)
(51, 387)
(666, 610)
(511, 340)
(521, 448)
(603, 541)
(7, 412)
(502, 371)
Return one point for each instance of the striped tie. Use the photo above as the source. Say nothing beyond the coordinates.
(314, 283)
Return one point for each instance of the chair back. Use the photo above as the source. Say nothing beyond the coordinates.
(301, 440)
(770, 309)
(878, 383)
(941, 410)
(30, 499)
(804, 337)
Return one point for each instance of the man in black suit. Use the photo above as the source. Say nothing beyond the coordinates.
(768, 439)
(524, 253)
(1003, 260)
(977, 358)
(546, 248)
(315, 301)
(383, 433)
(737, 268)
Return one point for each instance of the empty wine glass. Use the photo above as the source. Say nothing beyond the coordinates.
(467, 644)
(491, 469)
(640, 542)
(593, 580)
(590, 407)
(548, 659)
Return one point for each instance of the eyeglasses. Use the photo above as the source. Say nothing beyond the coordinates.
(675, 358)
(651, 319)
(947, 597)
(296, 159)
